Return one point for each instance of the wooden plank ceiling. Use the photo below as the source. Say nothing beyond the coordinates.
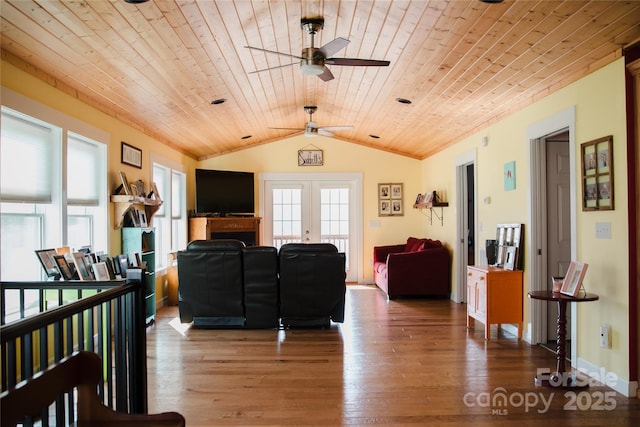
(463, 64)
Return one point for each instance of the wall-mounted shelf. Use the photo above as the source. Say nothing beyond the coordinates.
(429, 208)
(122, 203)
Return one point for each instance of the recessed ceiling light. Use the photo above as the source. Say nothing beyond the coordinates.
(374, 136)
(135, 1)
(403, 100)
(246, 137)
(491, 1)
(218, 101)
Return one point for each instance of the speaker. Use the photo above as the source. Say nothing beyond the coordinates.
(491, 248)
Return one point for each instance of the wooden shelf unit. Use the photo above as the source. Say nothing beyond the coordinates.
(123, 202)
(246, 229)
(494, 295)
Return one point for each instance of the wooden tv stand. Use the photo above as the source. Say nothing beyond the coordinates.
(246, 229)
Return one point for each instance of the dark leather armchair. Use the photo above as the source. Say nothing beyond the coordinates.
(211, 291)
(312, 284)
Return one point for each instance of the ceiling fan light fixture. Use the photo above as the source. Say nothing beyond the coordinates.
(312, 69)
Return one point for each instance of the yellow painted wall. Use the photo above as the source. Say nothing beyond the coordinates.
(599, 100)
(339, 156)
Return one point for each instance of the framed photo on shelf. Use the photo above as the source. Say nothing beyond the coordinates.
(63, 267)
(597, 174)
(510, 261)
(131, 155)
(48, 262)
(573, 280)
(124, 182)
(84, 272)
(101, 272)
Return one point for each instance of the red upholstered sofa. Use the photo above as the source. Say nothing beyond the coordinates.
(419, 267)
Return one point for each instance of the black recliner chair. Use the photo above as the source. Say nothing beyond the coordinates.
(312, 284)
(211, 290)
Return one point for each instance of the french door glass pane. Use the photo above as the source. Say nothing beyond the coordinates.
(334, 218)
(287, 216)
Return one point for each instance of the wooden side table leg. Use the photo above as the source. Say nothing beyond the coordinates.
(562, 337)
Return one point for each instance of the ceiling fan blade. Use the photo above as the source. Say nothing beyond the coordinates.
(355, 62)
(273, 51)
(333, 47)
(288, 128)
(326, 75)
(272, 68)
(324, 132)
(336, 127)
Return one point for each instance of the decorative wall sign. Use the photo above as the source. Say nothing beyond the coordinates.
(310, 158)
(131, 155)
(510, 176)
(597, 174)
(390, 199)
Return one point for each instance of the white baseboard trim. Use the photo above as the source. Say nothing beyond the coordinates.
(609, 378)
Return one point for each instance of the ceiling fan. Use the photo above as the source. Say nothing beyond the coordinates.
(313, 61)
(312, 129)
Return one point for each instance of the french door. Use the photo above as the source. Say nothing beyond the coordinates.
(321, 208)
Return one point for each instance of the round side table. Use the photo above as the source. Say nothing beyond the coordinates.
(559, 378)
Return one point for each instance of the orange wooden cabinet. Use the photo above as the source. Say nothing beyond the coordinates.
(494, 295)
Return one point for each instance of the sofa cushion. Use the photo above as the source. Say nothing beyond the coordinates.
(429, 244)
(414, 244)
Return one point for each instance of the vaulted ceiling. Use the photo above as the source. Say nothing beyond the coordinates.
(463, 64)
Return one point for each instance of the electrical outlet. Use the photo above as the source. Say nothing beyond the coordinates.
(605, 336)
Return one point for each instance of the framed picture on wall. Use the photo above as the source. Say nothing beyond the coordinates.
(390, 199)
(597, 174)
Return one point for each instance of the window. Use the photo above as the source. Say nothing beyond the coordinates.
(170, 221)
(56, 198)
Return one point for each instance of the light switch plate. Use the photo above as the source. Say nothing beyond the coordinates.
(603, 230)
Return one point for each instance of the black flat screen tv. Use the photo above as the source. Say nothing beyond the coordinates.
(224, 193)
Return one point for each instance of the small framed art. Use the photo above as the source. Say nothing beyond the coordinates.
(597, 174)
(573, 280)
(310, 157)
(131, 155)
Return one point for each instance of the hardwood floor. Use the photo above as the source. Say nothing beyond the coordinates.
(401, 362)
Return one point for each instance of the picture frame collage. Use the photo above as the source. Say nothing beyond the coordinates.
(597, 174)
(390, 199)
(84, 264)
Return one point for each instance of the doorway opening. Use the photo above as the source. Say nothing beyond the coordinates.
(553, 218)
(466, 228)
